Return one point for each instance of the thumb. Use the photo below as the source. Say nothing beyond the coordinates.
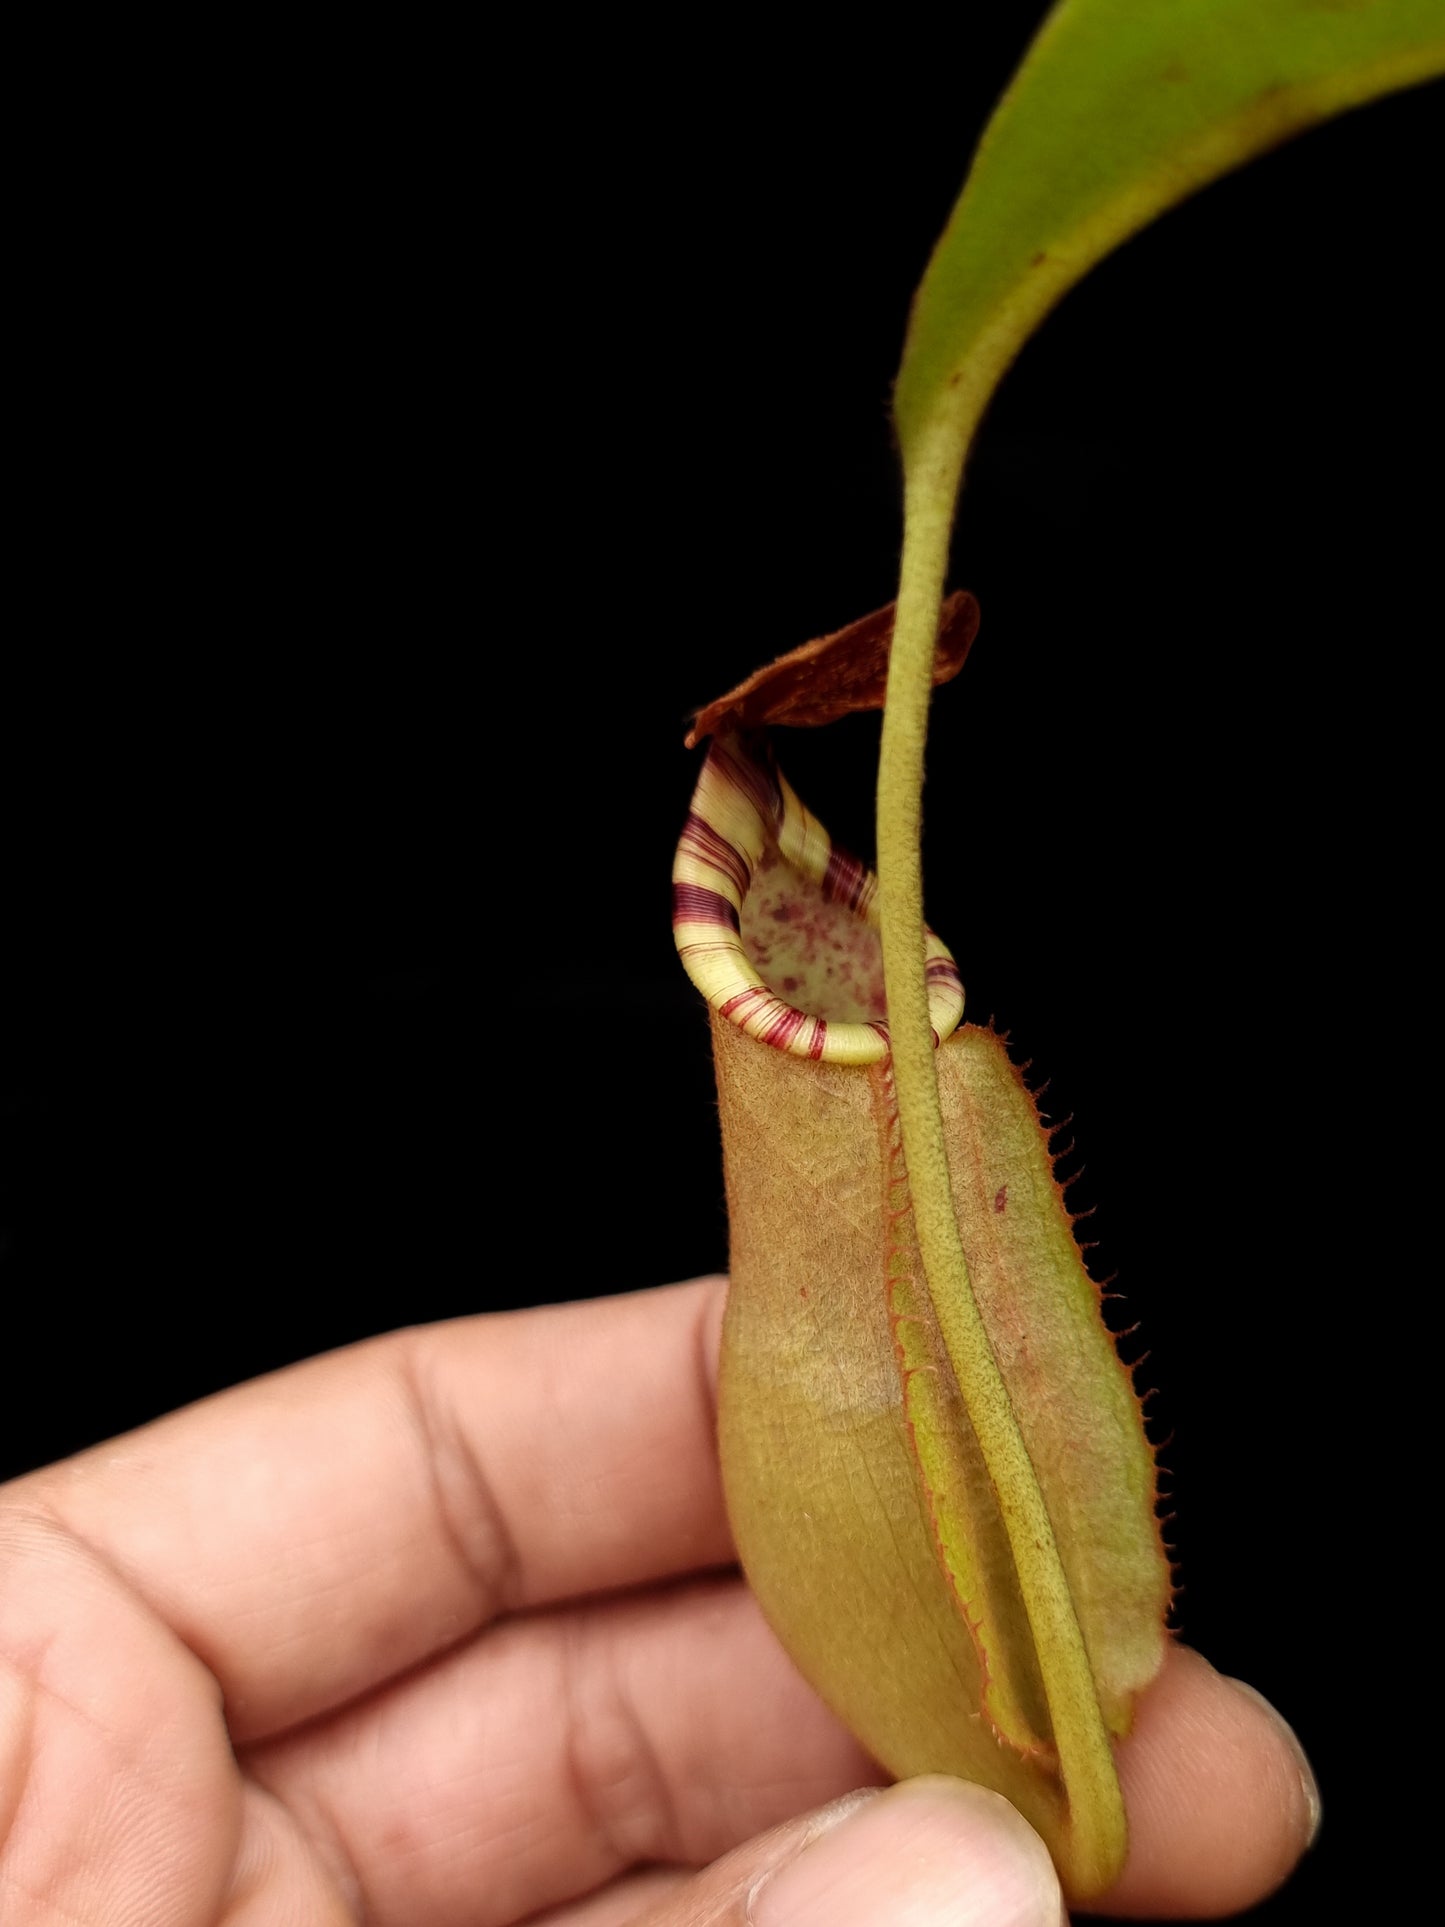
(926, 1853)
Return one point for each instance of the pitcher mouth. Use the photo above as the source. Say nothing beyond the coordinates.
(778, 927)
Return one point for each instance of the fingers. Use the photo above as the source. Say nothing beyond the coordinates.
(119, 1799)
(1221, 1802)
(557, 1752)
(277, 1877)
(328, 1527)
(669, 1727)
(927, 1853)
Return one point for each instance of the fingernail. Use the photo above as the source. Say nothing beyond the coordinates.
(920, 1854)
(1309, 1786)
(828, 1817)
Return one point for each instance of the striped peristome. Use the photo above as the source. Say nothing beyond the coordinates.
(767, 908)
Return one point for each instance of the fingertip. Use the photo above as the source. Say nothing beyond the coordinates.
(1309, 1785)
(1221, 1799)
(923, 1853)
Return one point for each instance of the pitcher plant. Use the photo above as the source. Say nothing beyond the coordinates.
(936, 1467)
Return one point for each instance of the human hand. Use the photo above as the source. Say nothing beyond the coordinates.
(441, 1629)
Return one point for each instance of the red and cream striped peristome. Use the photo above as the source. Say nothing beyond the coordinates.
(777, 926)
(860, 1502)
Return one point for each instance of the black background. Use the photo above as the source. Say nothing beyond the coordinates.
(422, 450)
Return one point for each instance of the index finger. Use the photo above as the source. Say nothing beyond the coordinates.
(322, 1529)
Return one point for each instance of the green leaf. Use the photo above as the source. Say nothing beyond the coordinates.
(1121, 109)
